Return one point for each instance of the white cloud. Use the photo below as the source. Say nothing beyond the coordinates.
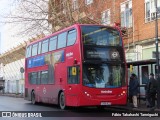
(9, 39)
(17, 32)
(5, 6)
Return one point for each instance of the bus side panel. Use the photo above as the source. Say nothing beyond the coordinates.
(73, 59)
(48, 94)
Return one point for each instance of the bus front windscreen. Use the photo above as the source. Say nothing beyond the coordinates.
(103, 75)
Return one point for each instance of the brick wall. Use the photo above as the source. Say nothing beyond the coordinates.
(141, 30)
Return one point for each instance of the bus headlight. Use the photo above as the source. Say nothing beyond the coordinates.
(124, 92)
(87, 94)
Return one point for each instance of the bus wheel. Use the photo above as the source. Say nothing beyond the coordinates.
(100, 107)
(33, 100)
(62, 101)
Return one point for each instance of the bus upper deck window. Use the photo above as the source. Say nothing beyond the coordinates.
(45, 46)
(34, 49)
(62, 40)
(53, 43)
(28, 54)
(71, 37)
(39, 47)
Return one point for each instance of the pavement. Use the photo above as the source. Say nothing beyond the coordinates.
(141, 108)
(141, 105)
(12, 95)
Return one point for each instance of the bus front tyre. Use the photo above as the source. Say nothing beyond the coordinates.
(33, 100)
(101, 107)
(62, 101)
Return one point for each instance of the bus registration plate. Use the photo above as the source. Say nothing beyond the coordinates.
(105, 103)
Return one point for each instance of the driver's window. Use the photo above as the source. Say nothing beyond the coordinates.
(73, 75)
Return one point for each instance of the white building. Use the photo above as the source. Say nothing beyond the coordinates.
(14, 79)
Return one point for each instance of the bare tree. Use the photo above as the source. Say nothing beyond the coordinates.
(29, 17)
(33, 17)
(64, 13)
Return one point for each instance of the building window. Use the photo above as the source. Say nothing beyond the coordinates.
(150, 10)
(154, 54)
(87, 2)
(106, 17)
(75, 4)
(126, 14)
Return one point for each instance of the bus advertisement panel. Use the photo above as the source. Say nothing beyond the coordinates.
(82, 65)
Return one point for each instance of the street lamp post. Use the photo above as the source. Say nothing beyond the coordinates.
(157, 56)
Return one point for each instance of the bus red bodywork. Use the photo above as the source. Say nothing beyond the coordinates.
(57, 76)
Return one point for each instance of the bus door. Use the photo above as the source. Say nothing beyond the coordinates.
(73, 87)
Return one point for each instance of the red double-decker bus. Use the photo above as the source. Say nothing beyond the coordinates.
(82, 65)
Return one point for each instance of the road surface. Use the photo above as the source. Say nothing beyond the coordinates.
(21, 109)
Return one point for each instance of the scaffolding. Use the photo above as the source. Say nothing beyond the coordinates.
(17, 52)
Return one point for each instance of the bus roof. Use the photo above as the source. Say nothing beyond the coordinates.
(141, 62)
(75, 25)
